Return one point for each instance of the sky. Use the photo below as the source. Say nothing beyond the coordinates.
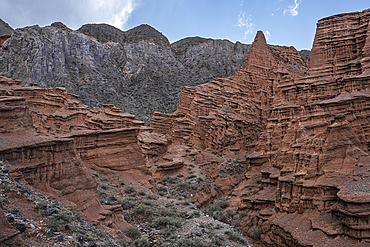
(284, 22)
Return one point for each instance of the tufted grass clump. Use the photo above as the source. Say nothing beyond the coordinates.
(166, 222)
(133, 232)
(170, 180)
(129, 189)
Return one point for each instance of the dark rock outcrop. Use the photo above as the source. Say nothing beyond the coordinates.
(146, 33)
(5, 28)
(137, 70)
(104, 33)
(7, 230)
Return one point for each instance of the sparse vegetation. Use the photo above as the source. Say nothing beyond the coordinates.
(141, 192)
(133, 232)
(170, 180)
(236, 236)
(129, 189)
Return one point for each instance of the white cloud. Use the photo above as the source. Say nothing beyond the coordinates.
(113, 12)
(267, 35)
(245, 22)
(292, 9)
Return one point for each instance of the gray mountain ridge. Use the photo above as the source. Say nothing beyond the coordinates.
(5, 28)
(137, 70)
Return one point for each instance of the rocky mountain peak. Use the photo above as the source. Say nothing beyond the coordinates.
(260, 54)
(59, 25)
(5, 28)
(104, 32)
(146, 33)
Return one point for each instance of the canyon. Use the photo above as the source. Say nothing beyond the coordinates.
(285, 139)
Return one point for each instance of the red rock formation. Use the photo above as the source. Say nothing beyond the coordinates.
(98, 134)
(306, 135)
(57, 112)
(152, 144)
(116, 149)
(3, 38)
(53, 164)
(315, 146)
(228, 114)
(337, 52)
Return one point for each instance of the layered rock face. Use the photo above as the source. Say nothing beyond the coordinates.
(339, 53)
(228, 114)
(49, 140)
(138, 70)
(305, 135)
(99, 134)
(313, 154)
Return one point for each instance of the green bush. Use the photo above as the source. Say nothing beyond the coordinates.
(162, 188)
(127, 202)
(141, 192)
(129, 189)
(186, 242)
(143, 210)
(183, 214)
(170, 180)
(148, 202)
(104, 186)
(218, 205)
(133, 232)
(181, 186)
(55, 221)
(191, 176)
(166, 212)
(255, 232)
(152, 197)
(242, 214)
(142, 242)
(235, 236)
(219, 215)
(166, 222)
(41, 205)
(217, 240)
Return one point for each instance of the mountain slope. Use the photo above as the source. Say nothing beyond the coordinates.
(137, 70)
(5, 28)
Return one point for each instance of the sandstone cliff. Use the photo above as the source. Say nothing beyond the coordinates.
(286, 137)
(49, 141)
(303, 132)
(51, 146)
(229, 114)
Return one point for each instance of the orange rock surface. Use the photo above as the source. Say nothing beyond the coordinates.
(229, 114)
(49, 140)
(289, 144)
(305, 134)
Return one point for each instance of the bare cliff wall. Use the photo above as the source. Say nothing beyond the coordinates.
(138, 70)
(304, 133)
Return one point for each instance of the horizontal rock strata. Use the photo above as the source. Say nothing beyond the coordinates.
(304, 131)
